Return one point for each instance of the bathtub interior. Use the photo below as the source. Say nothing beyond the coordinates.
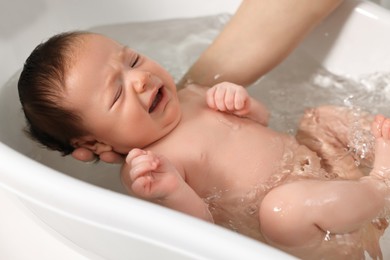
(83, 201)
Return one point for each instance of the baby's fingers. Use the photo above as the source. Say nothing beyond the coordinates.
(134, 153)
(240, 99)
(210, 98)
(228, 97)
(136, 156)
(142, 186)
(142, 168)
(220, 98)
(141, 162)
(228, 103)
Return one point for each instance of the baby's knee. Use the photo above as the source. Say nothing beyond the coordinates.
(283, 218)
(275, 216)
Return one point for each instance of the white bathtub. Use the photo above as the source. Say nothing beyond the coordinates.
(83, 214)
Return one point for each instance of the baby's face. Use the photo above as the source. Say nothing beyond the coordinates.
(125, 99)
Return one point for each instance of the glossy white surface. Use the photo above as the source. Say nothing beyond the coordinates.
(23, 236)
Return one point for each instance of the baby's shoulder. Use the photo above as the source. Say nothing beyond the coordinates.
(194, 89)
(192, 98)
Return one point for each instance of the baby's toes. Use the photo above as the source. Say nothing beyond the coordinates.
(377, 124)
(386, 129)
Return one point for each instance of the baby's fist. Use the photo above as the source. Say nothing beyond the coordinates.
(228, 97)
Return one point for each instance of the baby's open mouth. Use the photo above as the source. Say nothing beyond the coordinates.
(156, 100)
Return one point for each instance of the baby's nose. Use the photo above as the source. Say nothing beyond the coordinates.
(141, 81)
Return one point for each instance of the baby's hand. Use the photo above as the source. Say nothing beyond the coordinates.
(229, 97)
(152, 176)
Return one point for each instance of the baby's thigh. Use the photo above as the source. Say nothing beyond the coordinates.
(324, 123)
(335, 122)
(333, 133)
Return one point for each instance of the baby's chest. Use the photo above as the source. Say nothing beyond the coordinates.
(228, 156)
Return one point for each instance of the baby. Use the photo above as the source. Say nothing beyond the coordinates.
(207, 151)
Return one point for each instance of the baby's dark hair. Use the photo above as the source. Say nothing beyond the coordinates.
(41, 86)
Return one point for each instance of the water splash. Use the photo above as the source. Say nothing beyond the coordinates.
(232, 125)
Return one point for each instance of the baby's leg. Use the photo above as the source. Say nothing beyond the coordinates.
(381, 131)
(301, 213)
(330, 130)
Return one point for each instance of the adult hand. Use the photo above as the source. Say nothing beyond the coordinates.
(85, 155)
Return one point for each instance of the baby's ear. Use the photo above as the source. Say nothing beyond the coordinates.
(90, 143)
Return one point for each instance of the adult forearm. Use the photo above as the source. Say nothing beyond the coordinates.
(259, 36)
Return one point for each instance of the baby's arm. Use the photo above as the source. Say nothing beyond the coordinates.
(233, 98)
(154, 178)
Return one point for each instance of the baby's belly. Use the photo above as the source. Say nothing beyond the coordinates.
(298, 162)
(272, 161)
(253, 157)
(248, 168)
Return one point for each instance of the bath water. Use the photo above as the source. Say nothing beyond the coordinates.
(298, 83)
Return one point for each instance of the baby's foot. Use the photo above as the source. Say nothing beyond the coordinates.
(381, 130)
